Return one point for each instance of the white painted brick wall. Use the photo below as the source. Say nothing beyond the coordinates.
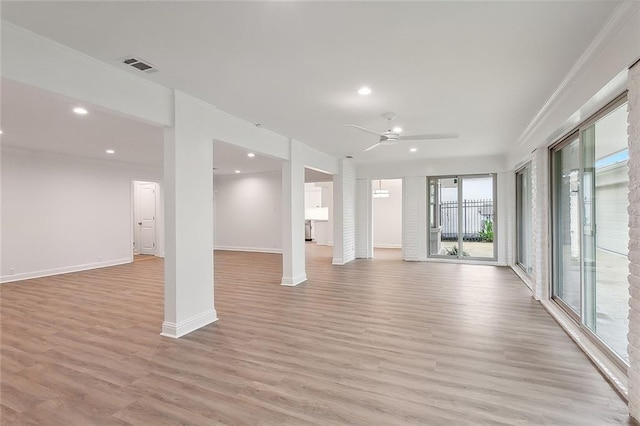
(634, 241)
(414, 220)
(364, 230)
(349, 210)
(409, 219)
(344, 213)
(539, 222)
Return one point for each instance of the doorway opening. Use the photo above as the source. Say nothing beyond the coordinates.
(387, 218)
(145, 209)
(462, 217)
(318, 214)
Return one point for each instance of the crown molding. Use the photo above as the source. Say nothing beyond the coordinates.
(618, 19)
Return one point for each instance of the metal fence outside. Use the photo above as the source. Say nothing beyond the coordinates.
(475, 213)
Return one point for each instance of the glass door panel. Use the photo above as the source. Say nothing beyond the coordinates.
(523, 220)
(605, 236)
(566, 236)
(477, 212)
(448, 197)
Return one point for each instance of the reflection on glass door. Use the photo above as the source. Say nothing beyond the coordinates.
(566, 247)
(462, 217)
(605, 237)
(477, 216)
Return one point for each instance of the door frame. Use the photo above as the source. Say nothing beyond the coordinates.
(158, 206)
(460, 218)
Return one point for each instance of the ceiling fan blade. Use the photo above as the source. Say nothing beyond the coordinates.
(429, 136)
(363, 129)
(372, 146)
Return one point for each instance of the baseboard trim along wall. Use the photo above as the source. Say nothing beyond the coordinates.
(390, 246)
(611, 371)
(290, 282)
(175, 331)
(249, 249)
(63, 270)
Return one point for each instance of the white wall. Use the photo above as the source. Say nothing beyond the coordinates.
(248, 212)
(324, 230)
(63, 214)
(387, 215)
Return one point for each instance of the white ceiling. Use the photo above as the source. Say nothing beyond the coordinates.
(229, 158)
(482, 69)
(39, 120)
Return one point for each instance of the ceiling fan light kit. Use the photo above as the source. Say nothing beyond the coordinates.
(392, 137)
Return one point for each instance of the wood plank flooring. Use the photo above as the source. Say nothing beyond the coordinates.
(374, 342)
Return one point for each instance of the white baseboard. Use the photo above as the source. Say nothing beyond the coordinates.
(173, 330)
(341, 262)
(249, 249)
(613, 373)
(293, 281)
(391, 246)
(63, 270)
(526, 279)
(462, 261)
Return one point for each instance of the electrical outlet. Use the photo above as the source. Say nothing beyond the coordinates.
(99, 258)
(12, 271)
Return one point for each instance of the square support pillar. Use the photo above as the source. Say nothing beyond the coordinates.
(293, 243)
(188, 264)
(344, 212)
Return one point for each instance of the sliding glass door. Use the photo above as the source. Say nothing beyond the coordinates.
(590, 226)
(566, 242)
(462, 217)
(524, 243)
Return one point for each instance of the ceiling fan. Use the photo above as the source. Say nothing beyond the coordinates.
(391, 138)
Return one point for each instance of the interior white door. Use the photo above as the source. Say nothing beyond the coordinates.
(146, 218)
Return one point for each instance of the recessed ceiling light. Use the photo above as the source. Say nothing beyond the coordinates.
(251, 155)
(1, 132)
(364, 91)
(413, 149)
(80, 111)
(237, 171)
(110, 151)
(397, 129)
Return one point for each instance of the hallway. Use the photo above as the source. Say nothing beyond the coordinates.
(377, 341)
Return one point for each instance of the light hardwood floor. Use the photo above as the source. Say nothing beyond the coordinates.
(374, 342)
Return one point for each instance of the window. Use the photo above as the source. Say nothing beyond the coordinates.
(590, 237)
(462, 217)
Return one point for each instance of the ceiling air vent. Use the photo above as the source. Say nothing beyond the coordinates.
(139, 64)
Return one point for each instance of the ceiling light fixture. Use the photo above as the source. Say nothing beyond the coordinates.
(251, 155)
(110, 151)
(364, 91)
(413, 149)
(1, 132)
(80, 111)
(397, 129)
(237, 171)
(380, 193)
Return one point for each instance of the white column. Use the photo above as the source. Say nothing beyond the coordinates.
(293, 244)
(414, 218)
(344, 212)
(364, 219)
(540, 223)
(634, 240)
(188, 264)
